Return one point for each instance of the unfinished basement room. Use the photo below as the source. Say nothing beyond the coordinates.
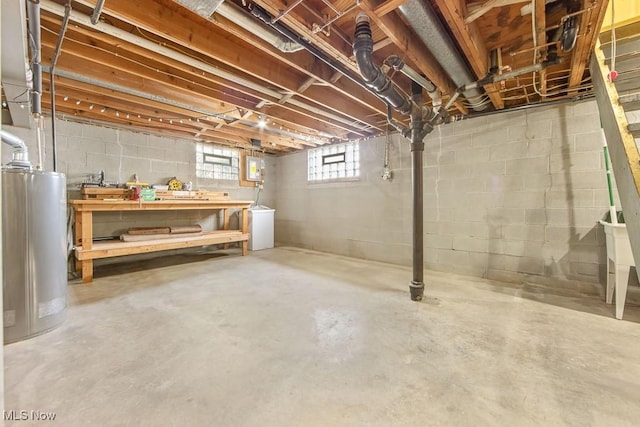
(320, 212)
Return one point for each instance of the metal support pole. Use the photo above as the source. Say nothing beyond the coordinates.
(52, 78)
(416, 287)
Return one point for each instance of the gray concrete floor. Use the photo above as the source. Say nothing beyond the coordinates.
(294, 337)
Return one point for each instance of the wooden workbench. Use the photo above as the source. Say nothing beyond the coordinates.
(87, 250)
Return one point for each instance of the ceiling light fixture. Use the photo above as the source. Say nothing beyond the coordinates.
(262, 122)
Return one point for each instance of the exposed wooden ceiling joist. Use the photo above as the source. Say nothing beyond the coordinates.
(159, 59)
(591, 21)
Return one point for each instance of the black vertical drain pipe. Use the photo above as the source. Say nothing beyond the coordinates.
(416, 287)
(380, 83)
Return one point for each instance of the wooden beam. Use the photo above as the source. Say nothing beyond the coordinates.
(353, 111)
(166, 23)
(160, 127)
(107, 67)
(154, 110)
(382, 44)
(478, 10)
(301, 20)
(185, 129)
(470, 40)
(388, 6)
(307, 84)
(586, 42)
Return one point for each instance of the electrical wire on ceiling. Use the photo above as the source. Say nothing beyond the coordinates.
(558, 91)
(480, 100)
(535, 48)
(557, 88)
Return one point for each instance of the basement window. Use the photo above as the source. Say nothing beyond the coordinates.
(334, 162)
(217, 163)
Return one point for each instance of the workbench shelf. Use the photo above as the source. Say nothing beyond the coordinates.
(86, 250)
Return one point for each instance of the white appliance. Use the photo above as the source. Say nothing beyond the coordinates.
(260, 228)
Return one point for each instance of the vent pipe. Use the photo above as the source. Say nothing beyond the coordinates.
(372, 74)
(33, 13)
(398, 64)
(428, 27)
(20, 158)
(97, 11)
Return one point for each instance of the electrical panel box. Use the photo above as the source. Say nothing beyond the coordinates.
(254, 168)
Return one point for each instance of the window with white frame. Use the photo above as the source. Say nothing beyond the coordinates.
(216, 162)
(334, 162)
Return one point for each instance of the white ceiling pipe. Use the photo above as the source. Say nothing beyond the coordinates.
(247, 22)
(207, 9)
(79, 18)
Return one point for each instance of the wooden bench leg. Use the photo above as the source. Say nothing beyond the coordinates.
(225, 224)
(87, 271)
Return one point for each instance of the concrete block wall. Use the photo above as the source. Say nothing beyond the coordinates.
(85, 149)
(514, 196)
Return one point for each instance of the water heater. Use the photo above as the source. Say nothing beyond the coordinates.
(34, 252)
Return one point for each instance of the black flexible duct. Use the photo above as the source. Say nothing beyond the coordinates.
(372, 74)
(570, 30)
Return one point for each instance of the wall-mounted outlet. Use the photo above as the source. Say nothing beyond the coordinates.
(387, 175)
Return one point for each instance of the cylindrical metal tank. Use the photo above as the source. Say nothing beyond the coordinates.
(34, 252)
